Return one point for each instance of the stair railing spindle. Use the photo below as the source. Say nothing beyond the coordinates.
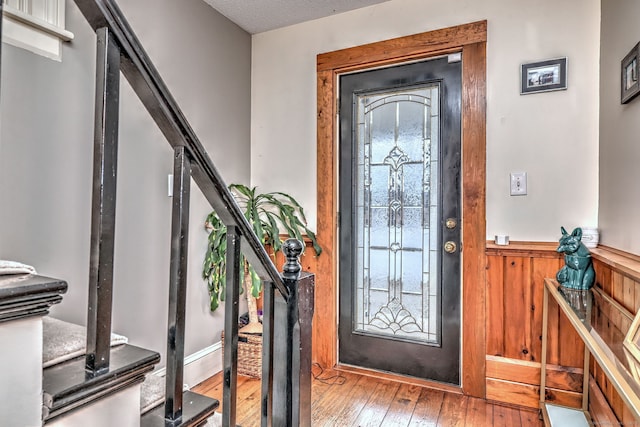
(103, 206)
(177, 284)
(231, 305)
(268, 297)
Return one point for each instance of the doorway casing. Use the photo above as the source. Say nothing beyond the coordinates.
(470, 39)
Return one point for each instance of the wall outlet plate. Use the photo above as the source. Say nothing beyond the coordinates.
(518, 183)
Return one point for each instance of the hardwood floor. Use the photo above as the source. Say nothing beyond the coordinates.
(348, 399)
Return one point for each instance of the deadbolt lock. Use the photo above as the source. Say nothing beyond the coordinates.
(449, 247)
(451, 223)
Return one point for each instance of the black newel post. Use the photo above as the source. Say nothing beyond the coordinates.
(292, 343)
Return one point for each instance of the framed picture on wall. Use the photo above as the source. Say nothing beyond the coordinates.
(543, 76)
(630, 84)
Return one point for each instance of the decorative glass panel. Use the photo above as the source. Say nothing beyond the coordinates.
(397, 290)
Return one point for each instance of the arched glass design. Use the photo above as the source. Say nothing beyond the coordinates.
(397, 214)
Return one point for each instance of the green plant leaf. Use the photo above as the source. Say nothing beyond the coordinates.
(274, 234)
(256, 283)
(270, 215)
(314, 241)
(295, 203)
(257, 223)
(244, 190)
(214, 302)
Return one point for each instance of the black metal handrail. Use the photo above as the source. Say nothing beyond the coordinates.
(152, 91)
(286, 388)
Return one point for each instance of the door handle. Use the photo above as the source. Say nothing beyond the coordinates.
(450, 247)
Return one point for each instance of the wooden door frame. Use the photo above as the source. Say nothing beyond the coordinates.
(470, 39)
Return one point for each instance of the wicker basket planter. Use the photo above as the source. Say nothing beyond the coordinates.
(249, 354)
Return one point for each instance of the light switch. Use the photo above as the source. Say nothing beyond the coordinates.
(518, 183)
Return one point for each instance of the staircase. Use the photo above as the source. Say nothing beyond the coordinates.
(63, 394)
(45, 381)
(64, 348)
(99, 379)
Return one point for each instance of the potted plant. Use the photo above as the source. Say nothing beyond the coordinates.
(271, 215)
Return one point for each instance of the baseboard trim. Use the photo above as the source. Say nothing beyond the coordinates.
(200, 365)
(404, 379)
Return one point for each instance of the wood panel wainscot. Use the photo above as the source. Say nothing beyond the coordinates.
(618, 275)
(515, 283)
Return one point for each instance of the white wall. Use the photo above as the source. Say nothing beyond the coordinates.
(46, 162)
(619, 130)
(21, 372)
(552, 136)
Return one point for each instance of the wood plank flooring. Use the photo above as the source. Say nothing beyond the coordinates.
(347, 399)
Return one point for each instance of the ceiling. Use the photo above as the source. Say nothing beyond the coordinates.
(256, 16)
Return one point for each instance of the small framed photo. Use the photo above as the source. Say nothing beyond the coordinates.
(630, 85)
(543, 76)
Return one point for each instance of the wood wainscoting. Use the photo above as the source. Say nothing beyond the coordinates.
(515, 275)
(514, 289)
(515, 283)
(618, 274)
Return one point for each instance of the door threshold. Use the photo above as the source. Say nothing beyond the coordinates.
(404, 379)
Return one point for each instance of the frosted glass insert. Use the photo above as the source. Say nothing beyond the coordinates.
(397, 292)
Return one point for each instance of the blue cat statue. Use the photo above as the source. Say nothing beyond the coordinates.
(578, 272)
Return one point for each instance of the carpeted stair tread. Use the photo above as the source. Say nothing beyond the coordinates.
(151, 393)
(64, 341)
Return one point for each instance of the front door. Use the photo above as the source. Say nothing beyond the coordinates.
(399, 203)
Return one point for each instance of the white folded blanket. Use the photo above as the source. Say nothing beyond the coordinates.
(14, 267)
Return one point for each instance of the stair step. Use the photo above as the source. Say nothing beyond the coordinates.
(68, 386)
(25, 295)
(64, 341)
(152, 399)
(151, 393)
(197, 410)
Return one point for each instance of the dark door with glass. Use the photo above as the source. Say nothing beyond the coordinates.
(399, 206)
